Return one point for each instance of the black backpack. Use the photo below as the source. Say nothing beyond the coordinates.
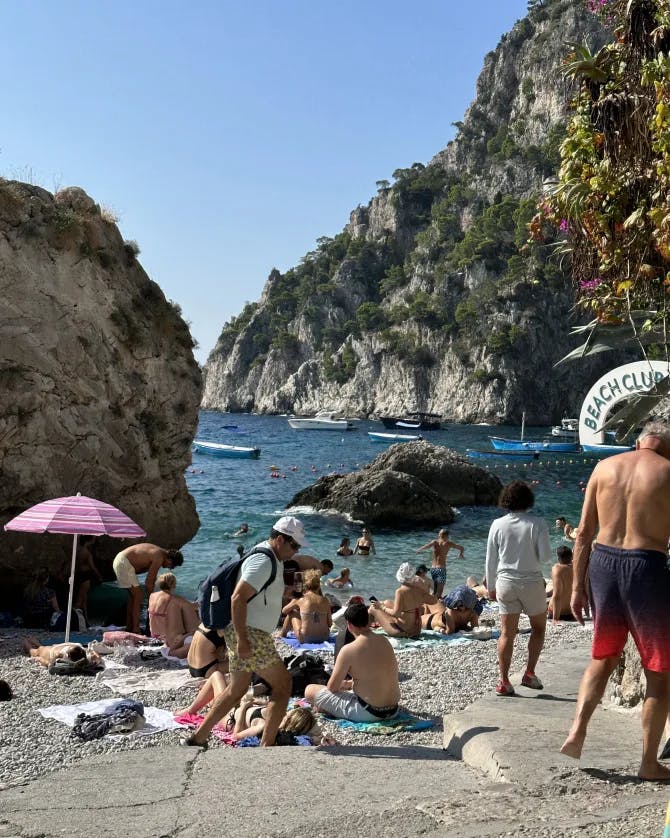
(215, 613)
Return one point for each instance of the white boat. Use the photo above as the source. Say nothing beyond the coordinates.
(325, 420)
(568, 429)
(380, 437)
(218, 449)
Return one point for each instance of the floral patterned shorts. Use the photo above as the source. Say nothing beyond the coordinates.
(263, 651)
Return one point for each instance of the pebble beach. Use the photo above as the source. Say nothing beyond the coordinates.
(435, 681)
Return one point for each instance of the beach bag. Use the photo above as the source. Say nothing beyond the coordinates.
(216, 591)
(305, 669)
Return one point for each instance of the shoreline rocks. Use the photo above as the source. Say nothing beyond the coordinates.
(410, 484)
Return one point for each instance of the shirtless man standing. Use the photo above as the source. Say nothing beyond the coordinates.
(561, 586)
(441, 546)
(627, 503)
(141, 558)
(364, 684)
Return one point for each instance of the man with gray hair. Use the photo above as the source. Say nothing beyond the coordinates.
(627, 505)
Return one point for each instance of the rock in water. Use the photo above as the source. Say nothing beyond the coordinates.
(410, 484)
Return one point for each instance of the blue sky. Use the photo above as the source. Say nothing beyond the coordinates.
(227, 136)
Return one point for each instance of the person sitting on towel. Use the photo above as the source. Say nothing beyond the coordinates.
(364, 684)
(403, 617)
(310, 616)
(172, 618)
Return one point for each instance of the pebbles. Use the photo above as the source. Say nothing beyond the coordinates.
(434, 681)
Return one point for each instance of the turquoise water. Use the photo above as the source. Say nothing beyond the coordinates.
(228, 492)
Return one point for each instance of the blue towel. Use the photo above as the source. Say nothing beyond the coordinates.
(401, 722)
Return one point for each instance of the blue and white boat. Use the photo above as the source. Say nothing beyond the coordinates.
(218, 449)
(390, 438)
(552, 446)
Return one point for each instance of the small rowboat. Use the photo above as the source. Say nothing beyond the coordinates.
(606, 450)
(218, 449)
(552, 446)
(380, 437)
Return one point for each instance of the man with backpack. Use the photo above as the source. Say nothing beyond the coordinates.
(254, 608)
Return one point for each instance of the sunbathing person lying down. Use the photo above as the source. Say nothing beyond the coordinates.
(46, 655)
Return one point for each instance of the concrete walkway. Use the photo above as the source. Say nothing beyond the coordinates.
(500, 774)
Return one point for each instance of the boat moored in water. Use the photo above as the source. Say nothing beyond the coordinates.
(553, 446)
(325, 420)
(219, 449)
(568, 429)
(606, 450)
(416, 421)
(382, 437)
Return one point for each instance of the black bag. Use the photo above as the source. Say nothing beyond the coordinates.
(216, 591)
(305, 669)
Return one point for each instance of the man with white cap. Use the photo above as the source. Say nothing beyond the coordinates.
(251, 647)
(403, 618)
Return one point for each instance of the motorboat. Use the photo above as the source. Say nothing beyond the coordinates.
(218, 449)
(555, 447)
(568, 429)
(416, 421)
(381, 437)
(325, 420)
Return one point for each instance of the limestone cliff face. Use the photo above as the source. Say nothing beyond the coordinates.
(100, 389)
(430, 298)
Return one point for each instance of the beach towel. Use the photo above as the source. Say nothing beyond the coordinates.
(385, 727)
(294, 643)
(435, 638)
(222, 733)
(156, 719)
(124, 682)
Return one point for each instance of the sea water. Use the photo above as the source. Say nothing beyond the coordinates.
(229, 492)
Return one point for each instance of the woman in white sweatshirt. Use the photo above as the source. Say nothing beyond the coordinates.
(517, 545)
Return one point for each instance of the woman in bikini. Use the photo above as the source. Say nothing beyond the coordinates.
(249, 718)
(365, 545)
(403, 618)
(344, 549)
(172, 618)
(310, 615)
(207, 653)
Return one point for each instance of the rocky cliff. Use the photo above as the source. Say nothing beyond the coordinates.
(100, 389)
(430, 298)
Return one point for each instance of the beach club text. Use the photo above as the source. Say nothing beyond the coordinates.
(616, 388)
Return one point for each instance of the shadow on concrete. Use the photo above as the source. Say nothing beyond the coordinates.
(549, 697)
(387, 752)
(458, 742)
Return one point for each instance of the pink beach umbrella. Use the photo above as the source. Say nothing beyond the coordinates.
(77, 515)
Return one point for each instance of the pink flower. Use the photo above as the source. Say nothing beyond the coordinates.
(588, 285)
(563, 226)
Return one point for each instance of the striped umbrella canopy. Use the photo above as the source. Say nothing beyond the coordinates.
(76, 515)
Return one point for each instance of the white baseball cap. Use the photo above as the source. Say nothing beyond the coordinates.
(293, 528)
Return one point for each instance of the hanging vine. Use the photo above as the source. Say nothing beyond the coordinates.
(610, 209)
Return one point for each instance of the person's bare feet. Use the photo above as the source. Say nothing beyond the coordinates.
(572, 747)
(654, 773)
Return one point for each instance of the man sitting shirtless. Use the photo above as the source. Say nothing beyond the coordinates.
(364, 684)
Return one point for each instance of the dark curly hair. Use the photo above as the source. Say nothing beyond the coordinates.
(516, 496)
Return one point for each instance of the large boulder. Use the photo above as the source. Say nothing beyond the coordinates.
(410, 484)
(101, 388)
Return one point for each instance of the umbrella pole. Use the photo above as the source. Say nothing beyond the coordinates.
(71, 594)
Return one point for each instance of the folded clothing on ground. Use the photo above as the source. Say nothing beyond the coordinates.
(124, 717)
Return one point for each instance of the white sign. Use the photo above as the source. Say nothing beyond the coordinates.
(614, 387)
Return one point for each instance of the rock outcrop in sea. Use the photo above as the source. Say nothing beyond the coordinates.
(410, 484)
(100, 386)
(430, 299)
